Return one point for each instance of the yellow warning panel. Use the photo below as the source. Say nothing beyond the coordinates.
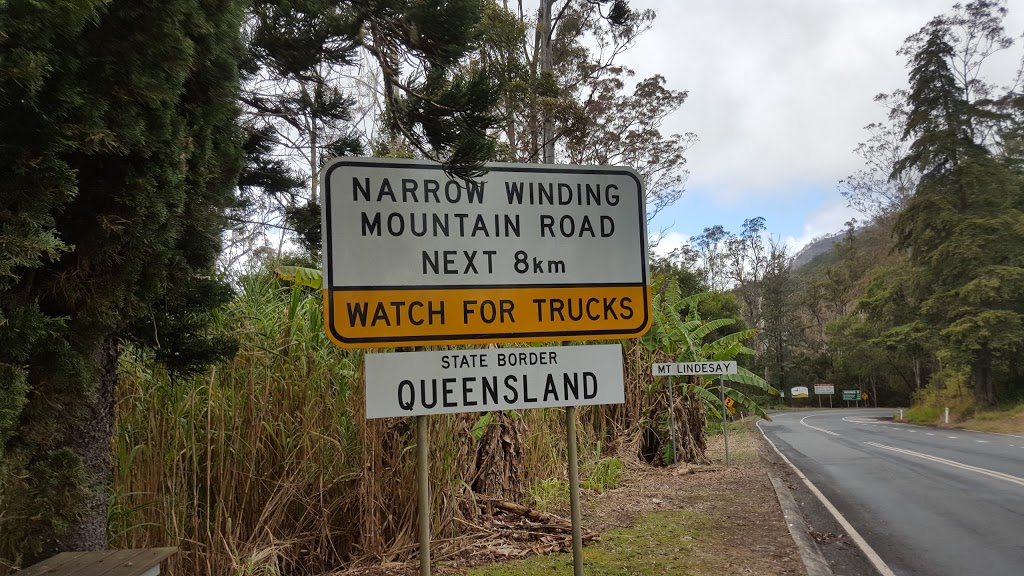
(373, 318)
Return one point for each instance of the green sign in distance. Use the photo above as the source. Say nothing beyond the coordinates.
(851, 394)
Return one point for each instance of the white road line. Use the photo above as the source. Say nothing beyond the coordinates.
(1000, 434)
(982, 441)
(873, 557)
(952, 437)
(966, 430)
(928, 433)
(815, 427)
(953, 463)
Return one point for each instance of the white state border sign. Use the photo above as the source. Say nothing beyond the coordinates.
(451, 381)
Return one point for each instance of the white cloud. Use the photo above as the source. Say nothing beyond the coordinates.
(670, 241)
(829, 219)
(780, 90)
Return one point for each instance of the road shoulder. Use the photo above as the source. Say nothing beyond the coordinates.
(838, 548)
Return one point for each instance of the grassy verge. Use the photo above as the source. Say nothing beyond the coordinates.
(1005, 420)
(742, 442)
(922, 415)
(706, 522)
(660, 543)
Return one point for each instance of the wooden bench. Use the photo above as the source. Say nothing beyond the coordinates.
(138, 562)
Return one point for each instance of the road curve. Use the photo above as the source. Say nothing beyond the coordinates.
(930, 502)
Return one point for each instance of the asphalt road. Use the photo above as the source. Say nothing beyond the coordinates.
(931, 502)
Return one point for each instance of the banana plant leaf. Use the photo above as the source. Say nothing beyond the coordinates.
(309, 277)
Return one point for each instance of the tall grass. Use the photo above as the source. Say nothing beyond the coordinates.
(253, 466)
(267, 465)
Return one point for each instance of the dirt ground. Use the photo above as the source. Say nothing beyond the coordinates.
(741, 529)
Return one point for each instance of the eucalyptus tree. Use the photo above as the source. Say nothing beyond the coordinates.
(567, 97)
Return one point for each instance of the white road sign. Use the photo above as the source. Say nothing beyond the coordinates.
(449, 381)
(527, 253)
(710, 368)
(798, 392)
(824, 389)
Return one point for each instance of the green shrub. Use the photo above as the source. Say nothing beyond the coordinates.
(550, 494)
(922, 414)
(1001, 412)
(604, 474)
(947, 388)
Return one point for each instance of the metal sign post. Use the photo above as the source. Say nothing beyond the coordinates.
(422, 471)
(574, 492)
(725, 423)
(672, 420)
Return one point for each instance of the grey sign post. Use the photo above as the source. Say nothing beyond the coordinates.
(672, 420)
(708, 368)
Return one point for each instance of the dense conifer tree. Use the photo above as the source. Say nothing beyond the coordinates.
(119, 151)
(964, 228)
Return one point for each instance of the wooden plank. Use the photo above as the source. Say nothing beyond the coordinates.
(104, 562)
(133, 562)
(51, 563)
(142, 563)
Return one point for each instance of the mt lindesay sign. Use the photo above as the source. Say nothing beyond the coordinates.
(527, 252)
(711, 367)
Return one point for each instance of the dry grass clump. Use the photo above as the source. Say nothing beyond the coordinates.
(267, 464)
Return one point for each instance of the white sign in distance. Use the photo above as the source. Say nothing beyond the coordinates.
(824, 389)
(798, 392)
(451, 381)
(710, 368)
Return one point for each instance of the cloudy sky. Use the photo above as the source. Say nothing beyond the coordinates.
(779, 93)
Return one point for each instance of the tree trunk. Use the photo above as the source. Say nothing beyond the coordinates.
(547, 129)
(691, 421)
(499, 458)
(917, 372)
(91, 441)
(981, 371)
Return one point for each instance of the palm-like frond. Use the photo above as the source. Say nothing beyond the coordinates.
(309, 277)
(730, 339)
(744, 376)
(703, 330)
(711, 400)
(746, 402)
